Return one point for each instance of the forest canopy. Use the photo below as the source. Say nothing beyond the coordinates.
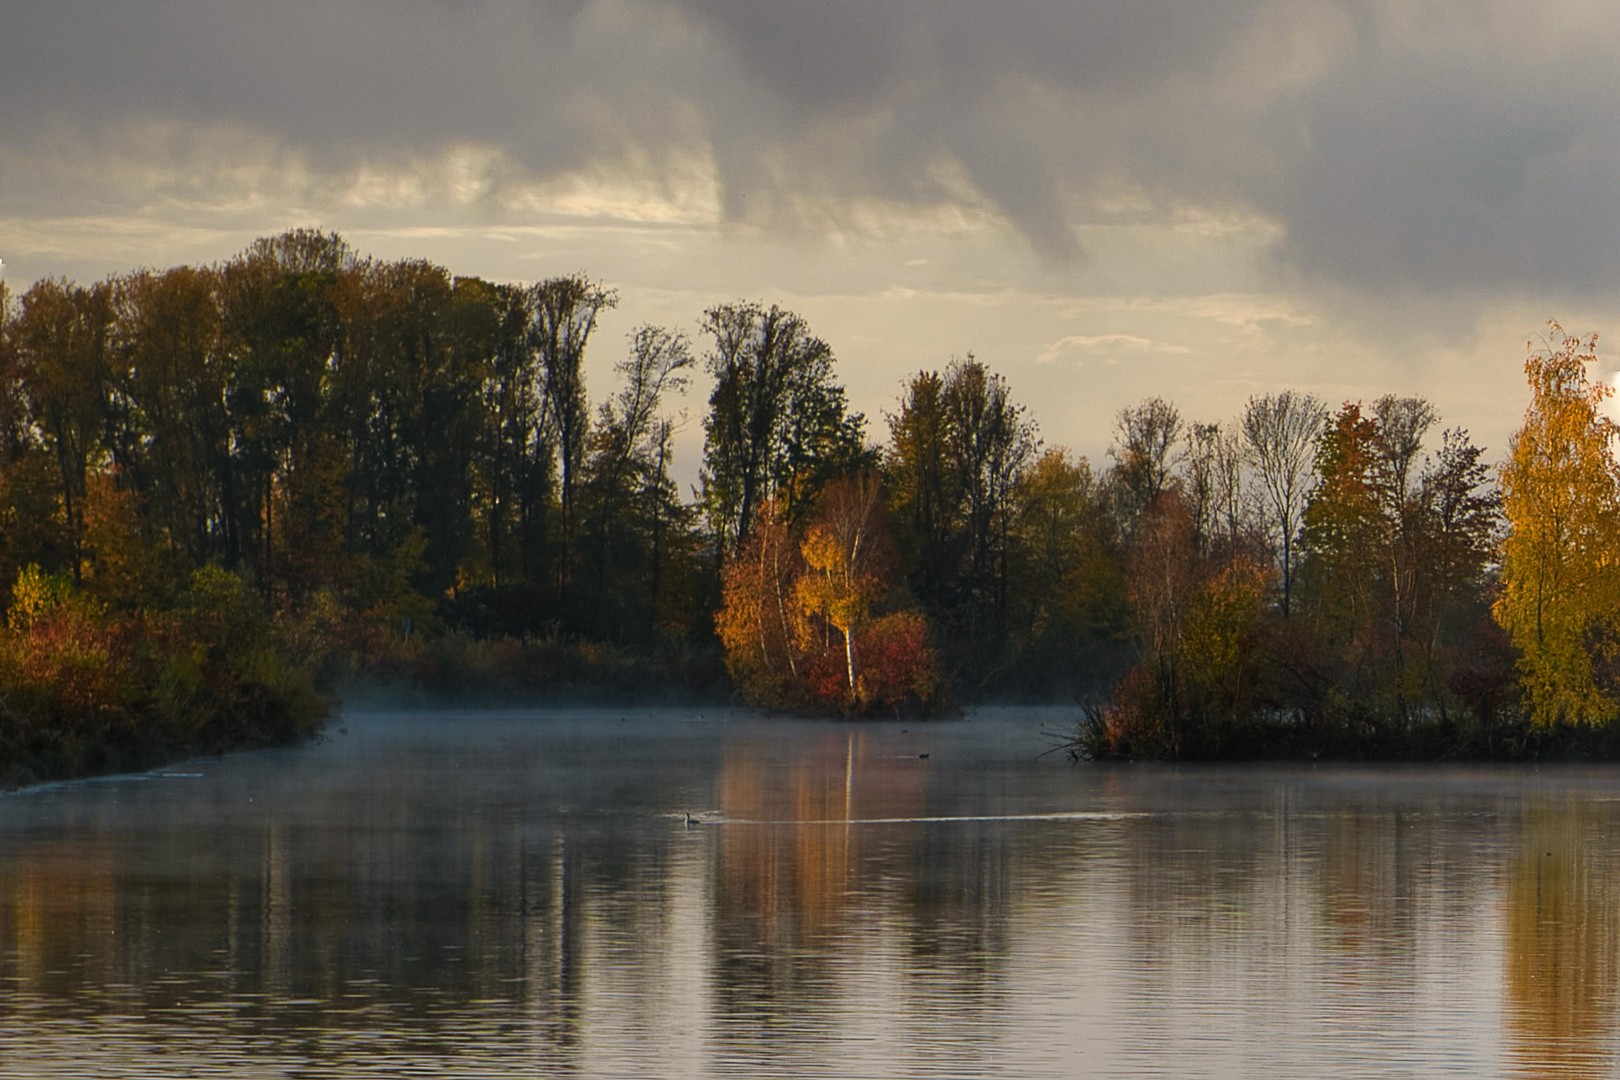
(225, 488)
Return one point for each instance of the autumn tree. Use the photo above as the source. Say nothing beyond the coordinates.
(816, 619)
(847, 551)
(60, 346)
(1561, 497)
(1394, 553)
(1205, 667)
(1226, 672)
(755, 623)
(1344, 531)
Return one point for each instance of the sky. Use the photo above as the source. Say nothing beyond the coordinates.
(1101, 200)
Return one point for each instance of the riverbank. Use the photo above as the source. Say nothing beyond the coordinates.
(87, 688)
(1100, 734)
(550, 671)
(86, 692)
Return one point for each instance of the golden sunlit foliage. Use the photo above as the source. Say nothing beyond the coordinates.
(1561, 497)
(803, 619)
(756, 617)
(88, 687)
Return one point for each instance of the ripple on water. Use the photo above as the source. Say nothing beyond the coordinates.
(489, 895)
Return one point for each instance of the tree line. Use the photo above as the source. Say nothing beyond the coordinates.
(402, 472)
(1358, 581)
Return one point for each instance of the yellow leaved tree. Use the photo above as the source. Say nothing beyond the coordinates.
(1561, 495)
(846, 556)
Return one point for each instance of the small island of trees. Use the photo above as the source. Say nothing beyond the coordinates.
(227, 490)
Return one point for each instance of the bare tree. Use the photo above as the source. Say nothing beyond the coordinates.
(1146, 438)
(1232, 509)
(1212, 483)
(1279, 435)
(657, 364)
(1402, 423)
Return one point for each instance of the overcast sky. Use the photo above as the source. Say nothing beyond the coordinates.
(1103, 200)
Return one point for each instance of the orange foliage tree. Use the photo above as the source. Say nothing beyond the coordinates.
(802, 617)
(758, 610)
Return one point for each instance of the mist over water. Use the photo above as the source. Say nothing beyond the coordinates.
(494, 894)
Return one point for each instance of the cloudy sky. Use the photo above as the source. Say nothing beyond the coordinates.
(1103, 200)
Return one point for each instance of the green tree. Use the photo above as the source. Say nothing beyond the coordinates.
(516, 463)
(59, 344)
(1068, 605)
(281, 321)
(16, 435)
(778, 426)
(564, 312)
(958, 449)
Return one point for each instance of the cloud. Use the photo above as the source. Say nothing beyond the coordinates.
(1391, 148)
(1367, 146)
(1113, 344)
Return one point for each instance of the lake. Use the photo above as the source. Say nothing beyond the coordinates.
(498, 894)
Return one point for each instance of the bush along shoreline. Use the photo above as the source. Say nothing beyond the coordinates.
(88, 689)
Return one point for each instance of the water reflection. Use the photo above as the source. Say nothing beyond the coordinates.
(1563, 885)
(483, 895)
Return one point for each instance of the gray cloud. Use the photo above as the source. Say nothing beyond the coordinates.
(1396, 146)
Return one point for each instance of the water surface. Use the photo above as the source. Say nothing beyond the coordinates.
(470, 894)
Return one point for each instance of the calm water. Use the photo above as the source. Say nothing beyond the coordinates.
(506, 894)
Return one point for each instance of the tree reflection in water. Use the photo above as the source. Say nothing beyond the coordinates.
(489, 893)
(1561, 916)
